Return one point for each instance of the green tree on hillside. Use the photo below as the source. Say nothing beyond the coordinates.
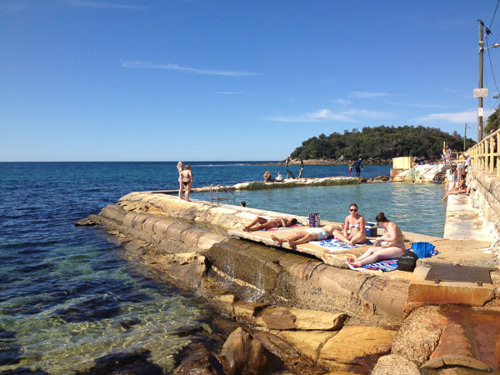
(493, 122)
(382, 142)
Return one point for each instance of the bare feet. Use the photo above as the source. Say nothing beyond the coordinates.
(276, 240)
(353, 262)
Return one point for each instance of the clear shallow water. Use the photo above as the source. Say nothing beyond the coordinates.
(415, 207)
(67, 297)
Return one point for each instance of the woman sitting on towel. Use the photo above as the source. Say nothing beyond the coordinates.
(305, 235)
(395, 249)
(354, 227)
(262, 222)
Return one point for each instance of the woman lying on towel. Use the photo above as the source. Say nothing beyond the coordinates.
(395, 239)
(354, 227)
(306, 235)
(262, 222)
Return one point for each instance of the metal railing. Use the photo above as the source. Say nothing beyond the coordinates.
(485, 155)
(228, 194)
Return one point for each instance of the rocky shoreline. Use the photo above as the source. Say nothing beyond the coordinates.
(369, 161)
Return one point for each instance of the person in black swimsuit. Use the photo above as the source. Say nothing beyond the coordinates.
(358, 166)
(186, 177)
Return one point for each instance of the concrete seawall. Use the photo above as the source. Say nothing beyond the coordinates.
(189, 244)
(485, 197)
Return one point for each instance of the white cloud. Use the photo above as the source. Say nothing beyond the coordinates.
(342, 102)
(368, 95)
(417, 105)
(326, 115)
(184, 69)
(455, 91)
(453, 117)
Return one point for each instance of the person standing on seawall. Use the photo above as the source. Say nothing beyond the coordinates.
(301, 168)
(180, 167)
(187, 181)
(358, 166)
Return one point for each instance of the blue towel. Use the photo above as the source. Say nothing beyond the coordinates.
(423, 249)
(333, 244)
(386, 265)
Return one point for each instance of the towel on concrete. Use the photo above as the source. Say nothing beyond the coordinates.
(334, 245)
(386, 265)
(281, 228)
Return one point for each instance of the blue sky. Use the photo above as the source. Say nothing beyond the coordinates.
(165, 80)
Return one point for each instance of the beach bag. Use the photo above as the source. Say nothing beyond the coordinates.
(423, 249)
(408, 261)
(314, 220)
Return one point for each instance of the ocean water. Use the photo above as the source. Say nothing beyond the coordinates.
(67, 297)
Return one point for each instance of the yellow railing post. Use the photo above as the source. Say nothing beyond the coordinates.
(492, 150)
(485, 155)
(498, 153)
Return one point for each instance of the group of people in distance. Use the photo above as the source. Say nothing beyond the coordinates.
(268, 177)
(456, 178)
(353, 232)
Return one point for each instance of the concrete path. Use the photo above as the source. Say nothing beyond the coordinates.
(463, 222)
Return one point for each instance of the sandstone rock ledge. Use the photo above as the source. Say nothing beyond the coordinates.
(315, 317)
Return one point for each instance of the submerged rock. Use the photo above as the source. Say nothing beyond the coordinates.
(199, 362)
(10, 352)
(133, 363)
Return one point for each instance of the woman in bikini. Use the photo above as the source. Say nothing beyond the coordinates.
(186, 178)
(395, 239)
(306, 235)
(180, 167)
(262, 222)
(354, 227)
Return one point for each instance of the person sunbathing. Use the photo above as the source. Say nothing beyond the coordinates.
(262, 222)
(354, 227)
(461, 189)
(395, 239)
(305, 235)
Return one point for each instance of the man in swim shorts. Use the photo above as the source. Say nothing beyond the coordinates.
(306, 235)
